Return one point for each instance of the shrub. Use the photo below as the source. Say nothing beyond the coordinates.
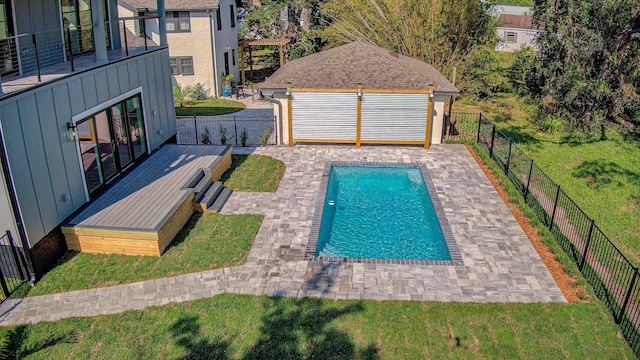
(196, 92)
(206, 137)
(243, 137)
(265, 138)
(223, 135)
(178, 95)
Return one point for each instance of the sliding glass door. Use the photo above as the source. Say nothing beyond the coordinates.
(77, 17)
(8, 55)
(110, 141)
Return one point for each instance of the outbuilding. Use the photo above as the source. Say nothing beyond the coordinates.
(359, 93)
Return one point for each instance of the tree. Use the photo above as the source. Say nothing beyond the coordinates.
(440, 32)
(589, 61)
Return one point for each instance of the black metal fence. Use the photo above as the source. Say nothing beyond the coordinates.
(13, 266)
(613, 277)
(228, 129)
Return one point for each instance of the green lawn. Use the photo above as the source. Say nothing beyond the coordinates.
(603, 177)
(209, 107)
(254, 173)
(246, 327)
(207, 241)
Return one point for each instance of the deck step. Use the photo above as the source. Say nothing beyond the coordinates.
(203, 186)
(194, 179)
(210, 196)
(221, 200)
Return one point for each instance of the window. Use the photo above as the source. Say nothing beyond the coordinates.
(233, 16)
(226, 63)
(233, 57)
(77, 17)
(511, 37)
(181, 65)
(178, 21)
(219, 19)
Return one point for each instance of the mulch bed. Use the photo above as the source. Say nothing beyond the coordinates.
(566, 283)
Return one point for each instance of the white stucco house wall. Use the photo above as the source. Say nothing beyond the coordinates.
(516, 31)
(202, 36)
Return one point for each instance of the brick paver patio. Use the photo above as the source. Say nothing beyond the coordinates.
(500, 264)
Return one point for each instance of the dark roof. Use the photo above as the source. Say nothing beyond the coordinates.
(173, 4)
(134, 41)
(516, 21)
(345, 66)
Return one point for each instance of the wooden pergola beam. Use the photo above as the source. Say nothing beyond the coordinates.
(282, 46)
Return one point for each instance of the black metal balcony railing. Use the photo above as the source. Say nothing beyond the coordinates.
(29, 59)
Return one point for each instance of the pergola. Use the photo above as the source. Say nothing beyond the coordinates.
(261, 42)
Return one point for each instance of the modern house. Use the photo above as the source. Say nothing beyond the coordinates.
(79, 108)
(202, 36)
(361, 94)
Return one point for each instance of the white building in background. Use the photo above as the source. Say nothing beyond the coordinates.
(516, 31)
(202, 36)
(515, 27)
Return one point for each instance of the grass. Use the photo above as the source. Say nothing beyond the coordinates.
(601, 176)
(209, 107)
(516, 198)
(207, 241)
(254, 173)
(246, 327)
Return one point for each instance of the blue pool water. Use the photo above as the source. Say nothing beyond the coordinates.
(380, 212)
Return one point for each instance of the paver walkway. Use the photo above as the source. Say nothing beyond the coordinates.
(500, 264)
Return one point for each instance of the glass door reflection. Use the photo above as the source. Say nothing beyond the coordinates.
(120, 135)
(90, 154)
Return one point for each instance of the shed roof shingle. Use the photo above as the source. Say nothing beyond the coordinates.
(173, 4)
(345, 66)
(516, 21)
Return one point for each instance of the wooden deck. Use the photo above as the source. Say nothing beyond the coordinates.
(143, 212)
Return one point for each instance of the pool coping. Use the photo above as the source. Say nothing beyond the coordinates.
(312, 243)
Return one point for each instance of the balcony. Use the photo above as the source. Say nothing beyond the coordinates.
(42, 57)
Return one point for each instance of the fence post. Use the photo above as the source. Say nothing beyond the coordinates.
(479, 126)
(493, 135)
(235, 129)
(626, 299)
(73, 68)
(195, 127)
(526, 190)
(586, 245)
(144, 33)
(275, 126)
(35, 54)
(555, 206)
(506, 166)
(126, 45)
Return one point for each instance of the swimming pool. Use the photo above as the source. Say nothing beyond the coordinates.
(381, 211)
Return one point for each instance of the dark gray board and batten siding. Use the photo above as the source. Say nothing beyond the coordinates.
(44, 162)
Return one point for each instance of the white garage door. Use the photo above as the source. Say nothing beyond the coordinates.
(394, 117)
(324, 116)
